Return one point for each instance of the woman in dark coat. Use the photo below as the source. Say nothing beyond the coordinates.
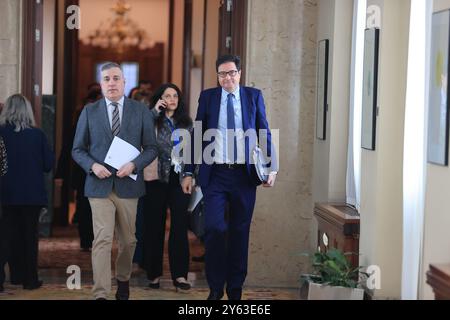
(23, 194)
(169, 115)
(3, 169)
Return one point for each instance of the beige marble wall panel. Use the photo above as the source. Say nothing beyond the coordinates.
(9, 47)
(9, 31)
(8, 80)
(9, 12)
(281, 55)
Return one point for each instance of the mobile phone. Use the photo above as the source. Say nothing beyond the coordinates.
(163, 105)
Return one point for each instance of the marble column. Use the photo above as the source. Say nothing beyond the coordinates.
(10, 21)
(281, 56)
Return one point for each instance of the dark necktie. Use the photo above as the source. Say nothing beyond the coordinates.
(231, 126)
(115, 127)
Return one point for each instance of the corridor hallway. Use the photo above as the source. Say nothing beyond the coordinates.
(62, 250)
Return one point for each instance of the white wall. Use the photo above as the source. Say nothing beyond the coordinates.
(330, 155)
(325, 28)
(48, 47)
(152, 16)
(381, 170)
(340, 99)
(436, 243)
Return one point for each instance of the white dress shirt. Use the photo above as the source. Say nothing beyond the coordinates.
(110, 109)
(221, 154)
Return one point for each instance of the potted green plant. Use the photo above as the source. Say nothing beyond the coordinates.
(333, 278)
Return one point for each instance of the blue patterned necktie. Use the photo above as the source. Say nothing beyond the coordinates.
(115, 127)
(231, 126)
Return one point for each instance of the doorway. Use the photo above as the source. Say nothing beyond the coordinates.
(190, 35)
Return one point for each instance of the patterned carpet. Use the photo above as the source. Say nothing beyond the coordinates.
(62, 250)
(60, 292)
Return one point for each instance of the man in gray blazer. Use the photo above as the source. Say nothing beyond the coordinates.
(112, 194)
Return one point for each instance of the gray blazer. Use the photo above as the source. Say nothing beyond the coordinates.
(93, 138)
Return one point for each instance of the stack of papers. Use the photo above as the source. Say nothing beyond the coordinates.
(121, 152)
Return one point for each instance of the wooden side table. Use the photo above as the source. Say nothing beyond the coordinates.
(338, 227)
(438, 277)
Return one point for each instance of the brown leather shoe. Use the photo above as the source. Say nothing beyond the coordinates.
(123, 290)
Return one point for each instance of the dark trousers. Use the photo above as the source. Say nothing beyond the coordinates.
(84, 214)
(19, 243)
(138, 254)
(226, 240)
(158, 198)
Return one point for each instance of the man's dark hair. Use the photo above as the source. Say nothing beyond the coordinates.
(229, 58)
(93, 85)
(145, 82)
(110, 65)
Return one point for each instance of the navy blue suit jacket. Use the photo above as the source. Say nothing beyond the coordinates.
(253, 117)
(29, 156)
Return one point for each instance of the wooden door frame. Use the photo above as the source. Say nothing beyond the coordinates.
(187, 52)
(31, 77)
(234, 24)
(170, 44)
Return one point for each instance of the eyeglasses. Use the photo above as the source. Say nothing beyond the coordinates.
(223, 74)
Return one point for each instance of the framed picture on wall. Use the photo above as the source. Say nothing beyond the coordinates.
(438, 105)
(322, 89)
(370, 88)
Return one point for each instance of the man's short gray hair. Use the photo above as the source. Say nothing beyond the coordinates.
(110, 65)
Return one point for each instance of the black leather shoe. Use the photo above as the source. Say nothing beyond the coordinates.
(16, 282)
(234, 294)
(33, 286)
(214, 295)
(154, 285)
(183, 286)
(199, 258)
(101, 298)
(123, 290)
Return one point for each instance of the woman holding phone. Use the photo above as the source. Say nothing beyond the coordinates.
(164, 192)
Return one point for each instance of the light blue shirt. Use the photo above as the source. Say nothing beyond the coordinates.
(221, 154)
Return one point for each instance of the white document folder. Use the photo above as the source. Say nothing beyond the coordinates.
(196, 196)
(121, 152)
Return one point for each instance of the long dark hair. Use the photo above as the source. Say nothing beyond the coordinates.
(180, 117)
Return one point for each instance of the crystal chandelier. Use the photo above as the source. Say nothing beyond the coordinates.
(119, 33)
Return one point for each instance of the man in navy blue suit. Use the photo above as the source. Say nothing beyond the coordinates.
(228, 176)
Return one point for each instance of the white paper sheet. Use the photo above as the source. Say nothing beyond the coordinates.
(121, 152)
(196, 197)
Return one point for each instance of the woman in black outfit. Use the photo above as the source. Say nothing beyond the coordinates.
(169, 115)
(23, 191)
(3, 169)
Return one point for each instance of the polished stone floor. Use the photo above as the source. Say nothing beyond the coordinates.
(58, 253)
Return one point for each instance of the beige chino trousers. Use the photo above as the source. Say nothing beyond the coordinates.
(109, 214)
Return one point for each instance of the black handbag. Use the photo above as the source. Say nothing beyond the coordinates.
(196, 213)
